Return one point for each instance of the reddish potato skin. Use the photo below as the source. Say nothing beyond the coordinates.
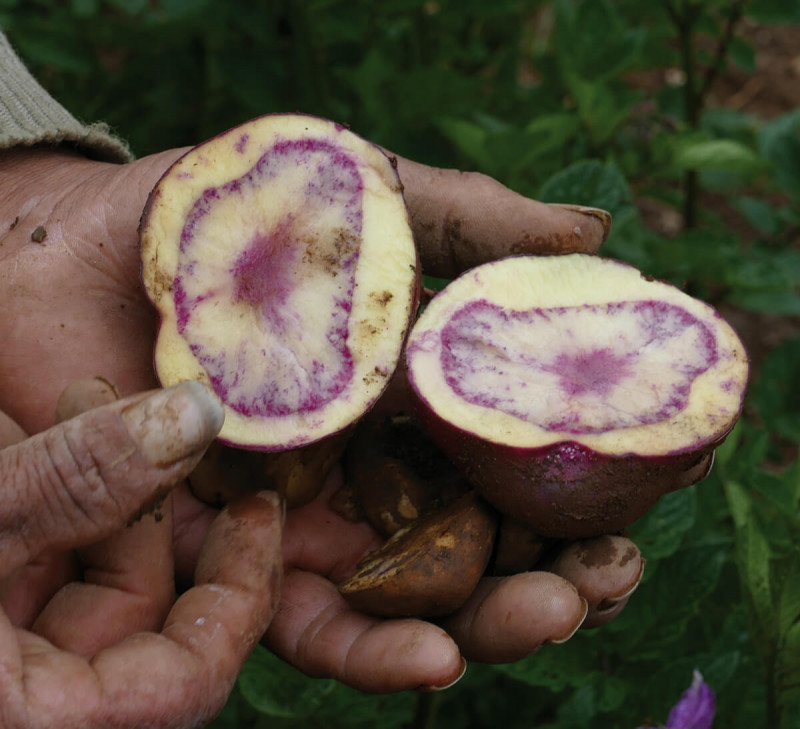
(564, 490)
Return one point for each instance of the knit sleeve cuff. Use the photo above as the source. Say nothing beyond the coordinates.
(29, 115)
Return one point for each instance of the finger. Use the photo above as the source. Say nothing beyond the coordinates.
(191, 520)
(128, 576)
(10, 432)
(509, 618)
(182, 676)
(462, 219)
(318, 540)
(695, 473)
(81, 480)
(316, 631)
(26, 591)
(605, 571)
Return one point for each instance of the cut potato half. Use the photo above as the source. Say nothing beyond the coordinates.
(574, 391)
(280, 258)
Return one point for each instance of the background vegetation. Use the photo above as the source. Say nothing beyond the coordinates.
(665, 113)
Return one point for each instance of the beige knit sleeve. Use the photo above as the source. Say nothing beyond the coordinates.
(29, 115)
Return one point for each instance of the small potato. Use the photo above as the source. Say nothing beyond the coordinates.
(429, 568)
(397, 472)
(518, 548)
(225, 472)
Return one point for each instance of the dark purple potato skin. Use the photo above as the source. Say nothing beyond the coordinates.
(564, 490)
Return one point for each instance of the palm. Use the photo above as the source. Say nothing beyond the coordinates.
(73, 303)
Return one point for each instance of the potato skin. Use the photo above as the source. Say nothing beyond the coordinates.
(225, 473)
(398, 473)
(429, 568)
(565, 490)
(518, 548)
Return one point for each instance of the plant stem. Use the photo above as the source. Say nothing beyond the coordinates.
(684, 18)
(427, 708)
(734, 16)
(773, 717)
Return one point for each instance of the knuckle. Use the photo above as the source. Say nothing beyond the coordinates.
(72, 483)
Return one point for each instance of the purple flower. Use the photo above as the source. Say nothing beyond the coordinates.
(695, 710)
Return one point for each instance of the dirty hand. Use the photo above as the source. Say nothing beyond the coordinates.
(74, 307)
(90, 632)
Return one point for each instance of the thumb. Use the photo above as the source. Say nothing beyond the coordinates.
(80, 481)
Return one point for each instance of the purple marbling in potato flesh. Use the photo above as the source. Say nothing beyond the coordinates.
(616, 365)
(271, 268)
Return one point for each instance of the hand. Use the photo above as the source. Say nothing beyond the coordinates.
(90, 632)
(84, 312)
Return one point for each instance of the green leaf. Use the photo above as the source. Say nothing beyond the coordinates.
(470, 139)
(697, 255)
(779, 143)
(277, 689)
(555, 667)
(657, 617)
(130, 7)
(729, 447)
(788, 674)
(718, 154)
(789, 602)
(759, 213)
(601, 110)
(70, 56)
(753, 561)
(743, 54)
(739, 503)
(774, 11)
(592, 183)
(348, 708)
(782, 303)
(178, 10)
(660, 532)
(593, 40)
(728, 123)
(775, 394)
(85, 8)
(551, 131)
(579, 709)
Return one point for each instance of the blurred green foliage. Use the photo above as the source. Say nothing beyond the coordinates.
(540, 94)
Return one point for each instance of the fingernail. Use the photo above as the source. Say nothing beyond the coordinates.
(429, 689)
(609, 603)
(174, 423)
(597, 213)
(558, 641)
